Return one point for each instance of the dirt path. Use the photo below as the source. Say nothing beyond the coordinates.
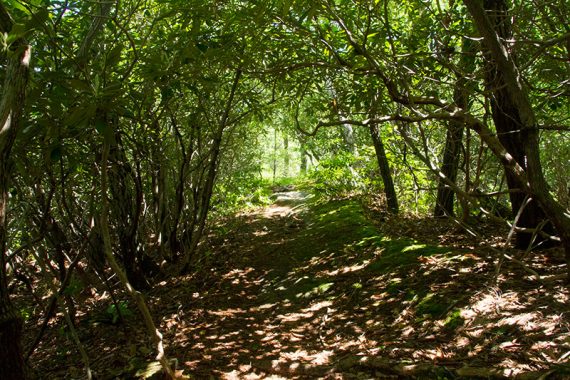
(309, 294)
(301, 290)
(258, 321)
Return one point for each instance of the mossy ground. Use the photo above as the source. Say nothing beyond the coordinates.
(319, 291)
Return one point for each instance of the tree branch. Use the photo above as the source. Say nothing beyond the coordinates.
(380, 120)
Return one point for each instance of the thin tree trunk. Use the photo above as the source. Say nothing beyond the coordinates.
(445, 199)
(137, 296)
(206, 194)
(180, 201)
(304, 162)
(531, 177)
(383, 164)
(274, 154)
(445, 196)
(11, 110)
(509, 124)
(286, 151)
(348, 136)
(347, 131)
(385, 171)
(125, 212)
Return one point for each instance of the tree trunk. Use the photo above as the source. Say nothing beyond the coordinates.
(154, 333)
(348, 136)
(510, 127)
(274, 154)
(125, 209)
(286, 152)
(195, 234)
(385, 171)
(160, 192)
(445, 195)
(304, 163)
(530, 177)
(445, 200)
(11, 109)
(174, 244)
(347, 131)
(451, 154)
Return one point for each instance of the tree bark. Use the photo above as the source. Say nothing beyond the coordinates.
(287, 161)
(530, 177)
(154, 333)
(195, 234)
(385, 171)
(174, 244)
(11, 110)
(511, 129)
(125, 208)
(304, 163)
(445, 196)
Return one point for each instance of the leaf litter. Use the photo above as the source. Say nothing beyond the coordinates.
(305, 289)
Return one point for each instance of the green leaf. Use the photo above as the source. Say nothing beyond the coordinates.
(112, 90)
(105, 130)
(78, 115)
(114, 56)
(286, 6)
(17, 31)
(40, 20)
(100, 126)
(19, 6)
(56, 153)
(79, 85)
(150, 370)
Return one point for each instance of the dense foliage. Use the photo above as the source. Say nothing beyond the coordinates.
(142, 119)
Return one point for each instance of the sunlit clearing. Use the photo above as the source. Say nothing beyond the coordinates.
(318, 306)
(414, 247)
(226, 312)
(347, 269)
(294, 317)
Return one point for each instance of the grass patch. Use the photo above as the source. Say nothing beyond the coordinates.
(454, 320)
(432, 305)
(333, 227)
(342, 226)
(306, 287)
(341, 215)
(401, 253)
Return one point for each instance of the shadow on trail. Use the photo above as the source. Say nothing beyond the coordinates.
(314, 292)
(305, 289)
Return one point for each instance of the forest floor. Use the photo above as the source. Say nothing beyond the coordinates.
(304, 289)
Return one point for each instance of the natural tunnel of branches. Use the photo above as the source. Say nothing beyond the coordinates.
(131, 131)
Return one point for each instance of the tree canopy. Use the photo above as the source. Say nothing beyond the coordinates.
(127, 127)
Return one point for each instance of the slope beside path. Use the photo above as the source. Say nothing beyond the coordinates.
(307, 289)
(312, 290)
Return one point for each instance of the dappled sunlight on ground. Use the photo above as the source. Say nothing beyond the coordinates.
(298, 294)
(326, 314)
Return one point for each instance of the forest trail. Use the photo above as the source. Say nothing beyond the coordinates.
(312, 290)
(304, 289)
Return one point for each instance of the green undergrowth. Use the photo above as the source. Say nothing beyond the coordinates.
(342, 228)
(340, 249)
(244, 192)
